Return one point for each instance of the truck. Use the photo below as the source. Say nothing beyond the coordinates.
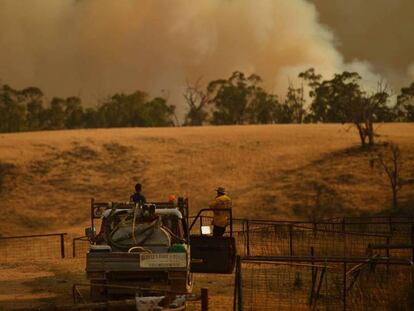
(149, 249)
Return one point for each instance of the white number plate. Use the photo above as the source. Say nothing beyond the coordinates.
(165, 260)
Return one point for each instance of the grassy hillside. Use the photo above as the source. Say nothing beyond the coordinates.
(275, 171)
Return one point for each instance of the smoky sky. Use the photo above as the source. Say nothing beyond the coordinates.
(92, 48)
(380, 31)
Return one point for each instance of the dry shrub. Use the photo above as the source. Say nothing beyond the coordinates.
(81, 152)
(5, 170)
(326, 201)
(115, 149)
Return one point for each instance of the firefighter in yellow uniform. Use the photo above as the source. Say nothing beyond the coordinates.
(221, 218)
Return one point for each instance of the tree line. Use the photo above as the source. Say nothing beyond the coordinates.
(27, 110)
(239, 99)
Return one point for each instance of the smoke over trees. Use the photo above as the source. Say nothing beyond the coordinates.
(94, 48)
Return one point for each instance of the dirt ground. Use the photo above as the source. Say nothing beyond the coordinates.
(41, 284)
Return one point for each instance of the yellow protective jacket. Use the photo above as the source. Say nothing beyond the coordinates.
(221, 218)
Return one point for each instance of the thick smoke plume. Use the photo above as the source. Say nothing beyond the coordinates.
(92, 48)
(410, 71)
(380, 31)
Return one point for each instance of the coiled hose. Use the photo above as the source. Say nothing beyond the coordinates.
(115, 243)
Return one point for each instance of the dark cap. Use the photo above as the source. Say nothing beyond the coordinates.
(221, 190)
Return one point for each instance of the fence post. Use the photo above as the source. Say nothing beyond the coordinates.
(239, 285)
(388, 256)
(343, 229)
(344, 288)
(412, 241)
(390, 224)
(290, 240)
(248, 237)
(313, 276)
(62, 245)
(313, 263)
(204, 299)
(74, 248)
(236, 286)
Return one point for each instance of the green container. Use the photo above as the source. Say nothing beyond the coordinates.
(178, 248)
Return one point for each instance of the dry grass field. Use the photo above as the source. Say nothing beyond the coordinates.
(271, 172)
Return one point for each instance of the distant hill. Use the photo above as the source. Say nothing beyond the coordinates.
(271, 172)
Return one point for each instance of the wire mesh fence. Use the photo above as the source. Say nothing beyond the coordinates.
(293, 285)
(33, 247)
(267, 286)
(293, 240)
(377, 224)
(80, 247)
(383, 286)
(318, 283)
(264, 238)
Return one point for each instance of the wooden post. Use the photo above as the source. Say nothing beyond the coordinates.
(248, 237)
(239, 285)
(412, 241)
(412, 257)
(290, 241)
(74, 248)
(343, 225)
(236, 286)
(313, 277)
(237, 295)
(204, 299)
(344, 289)
(388, 256)
(390, 224)
(62, 245)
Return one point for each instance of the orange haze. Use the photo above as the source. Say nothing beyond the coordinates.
(92, 48)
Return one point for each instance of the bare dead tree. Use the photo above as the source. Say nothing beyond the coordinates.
(197, 100)
(166, 95)
(368, 110)
(389, 161)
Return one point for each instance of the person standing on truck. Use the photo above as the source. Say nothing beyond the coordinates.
(221, 218)
(137, 197)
